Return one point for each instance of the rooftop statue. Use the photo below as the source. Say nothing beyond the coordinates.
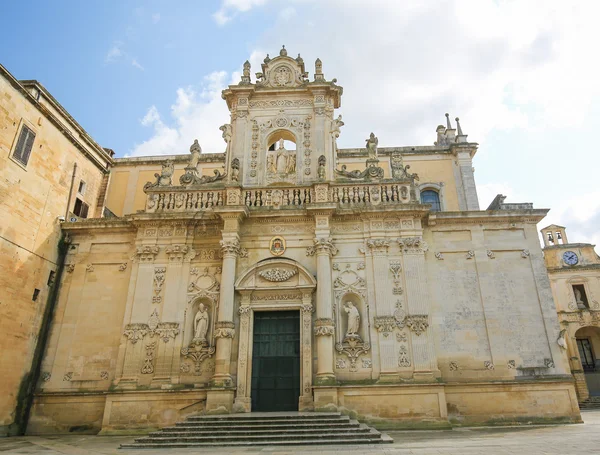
(195, 151)
(372, 146)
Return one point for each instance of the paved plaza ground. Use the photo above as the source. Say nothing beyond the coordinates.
(557, 439)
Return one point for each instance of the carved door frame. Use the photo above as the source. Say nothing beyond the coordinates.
(260, 294)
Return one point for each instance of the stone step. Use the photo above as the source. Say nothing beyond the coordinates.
(261, 429)
(187, 426)
(291, 442)
(252, 437)
(264, 417)
(272, 431)
(259, 423)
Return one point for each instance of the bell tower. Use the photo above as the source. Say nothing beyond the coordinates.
(282, 126)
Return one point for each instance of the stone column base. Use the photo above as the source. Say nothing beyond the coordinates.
(306, 403)
(325, 397)
(242, 404)
(388, 378)
(219, 401)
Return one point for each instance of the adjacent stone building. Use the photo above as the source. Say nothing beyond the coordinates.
(574, 271)
(51, 170)
(288, 274)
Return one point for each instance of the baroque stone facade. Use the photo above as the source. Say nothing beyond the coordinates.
(403, 314)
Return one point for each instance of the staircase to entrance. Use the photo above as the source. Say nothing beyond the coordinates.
(262, 429)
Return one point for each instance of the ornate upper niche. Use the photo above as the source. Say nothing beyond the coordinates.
(279, 74)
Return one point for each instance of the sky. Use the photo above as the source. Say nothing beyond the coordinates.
(145, 78)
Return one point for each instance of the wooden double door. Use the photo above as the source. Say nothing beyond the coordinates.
(276, 361)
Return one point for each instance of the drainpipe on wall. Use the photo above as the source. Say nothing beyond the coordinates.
(71, 191)
(29, 381)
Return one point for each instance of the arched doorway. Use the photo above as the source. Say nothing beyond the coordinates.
(588, 347)
(275, 321)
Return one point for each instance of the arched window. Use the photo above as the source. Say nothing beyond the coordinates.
(431, 197)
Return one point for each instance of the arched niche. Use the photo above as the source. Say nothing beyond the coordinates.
(359, 303)
(281, 159)
(192, 310)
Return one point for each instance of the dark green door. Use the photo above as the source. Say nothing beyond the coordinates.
(276, 361)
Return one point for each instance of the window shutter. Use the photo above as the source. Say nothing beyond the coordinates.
(24, 145)
(84, 210)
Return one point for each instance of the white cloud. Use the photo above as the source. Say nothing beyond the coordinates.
(230, 8)
(580, 215)
(195, 115)
(114, 53)
(287, 13)
(155, 18)
(135, 63)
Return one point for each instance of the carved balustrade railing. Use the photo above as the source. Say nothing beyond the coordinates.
(165, 199)
(374, 194)
(183, 200)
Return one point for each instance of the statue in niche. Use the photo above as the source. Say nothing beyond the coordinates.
(372, 146)
(321, 172)
(281, 163)
(291, 164)
(281, 158)
(353, 320)
(201, 325)
(235, 169)
(578, 299)
(271, 164)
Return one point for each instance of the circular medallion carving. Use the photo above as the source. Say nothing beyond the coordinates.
(283, 76)
(281, 122)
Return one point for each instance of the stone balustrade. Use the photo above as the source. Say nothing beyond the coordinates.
(180, 199)
(164, 200)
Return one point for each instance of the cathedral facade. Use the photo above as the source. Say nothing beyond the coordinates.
(288, 274)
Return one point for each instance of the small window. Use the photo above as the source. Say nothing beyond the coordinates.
(36, 293)
(51, 276)
(82, 187)
(431, 197)
(80, 209)
(24, 145)
(580, 296)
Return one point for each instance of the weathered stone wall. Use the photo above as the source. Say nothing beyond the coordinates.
(32, 197)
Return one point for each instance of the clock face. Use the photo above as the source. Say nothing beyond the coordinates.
(570, 258)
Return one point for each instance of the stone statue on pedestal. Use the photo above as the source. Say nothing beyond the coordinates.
(353, 319)
(201, 325)
(372, 146)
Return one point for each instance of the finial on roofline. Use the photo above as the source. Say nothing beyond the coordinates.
(283, 51)
(448, 125)
(458, 128)
(267, 59)
(460, 137)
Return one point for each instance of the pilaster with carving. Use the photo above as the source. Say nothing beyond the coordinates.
(413, 250)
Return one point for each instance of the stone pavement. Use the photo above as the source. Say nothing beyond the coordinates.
(552, 440)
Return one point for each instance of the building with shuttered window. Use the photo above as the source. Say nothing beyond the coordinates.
(44, 156)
